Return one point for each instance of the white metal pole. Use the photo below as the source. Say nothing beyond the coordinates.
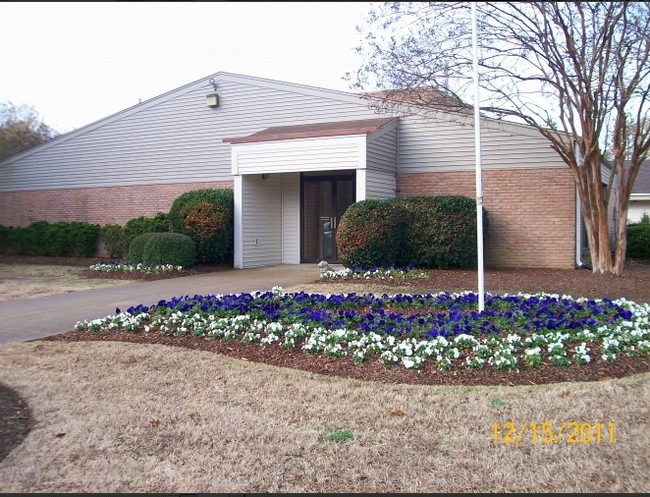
(479, 187)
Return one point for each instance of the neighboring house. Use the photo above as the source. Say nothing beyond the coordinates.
(296, 157)
(640, 196)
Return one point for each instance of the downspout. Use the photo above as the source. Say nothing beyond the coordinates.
(579, 262)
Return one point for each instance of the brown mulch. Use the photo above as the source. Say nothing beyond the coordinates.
(89, 261)
(633, 285)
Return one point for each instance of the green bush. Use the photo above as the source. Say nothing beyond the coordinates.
(62, 238)
(112, 236)
(370, 234)
(7, 235)
(169, 248)
(159, 223)
(206, 215)
(440, 231)
(58, 239)
(71, 239)
(638, 240)
(136, 248)
(424, 231)
(84, 238)
(32, 240)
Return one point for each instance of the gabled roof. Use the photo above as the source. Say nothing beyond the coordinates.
(199, 83)
(447, 105)
(428, 97)
(341, 128)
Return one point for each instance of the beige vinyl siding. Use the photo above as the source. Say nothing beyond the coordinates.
(291, 218)
(382, 150)
(606, 177)
(380, 184)
(639, 205)
(262, 220)
(309, 154)
(174, 137)
(381, 156)
(449, 145)
(167, 143)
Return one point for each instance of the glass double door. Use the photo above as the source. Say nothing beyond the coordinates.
(324, 200)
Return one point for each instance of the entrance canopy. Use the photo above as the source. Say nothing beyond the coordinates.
(273, 205)
(309, 147)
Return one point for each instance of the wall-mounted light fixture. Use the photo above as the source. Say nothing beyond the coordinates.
(212, 99)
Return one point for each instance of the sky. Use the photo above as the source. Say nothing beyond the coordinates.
(77, 62)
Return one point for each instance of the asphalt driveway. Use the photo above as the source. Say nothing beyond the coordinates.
(33, 318)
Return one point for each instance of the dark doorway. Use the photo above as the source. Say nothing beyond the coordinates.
(324, 199)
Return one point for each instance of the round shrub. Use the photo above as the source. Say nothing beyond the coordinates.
(136, 248)
(206, 215)
(370, 234)
(159, 223)
(440, 231)
(169, 248)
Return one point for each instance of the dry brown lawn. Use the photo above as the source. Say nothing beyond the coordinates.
(38, 280)
(127, 417)
(116, 417)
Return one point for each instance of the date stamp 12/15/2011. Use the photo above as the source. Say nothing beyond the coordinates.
(548, 432)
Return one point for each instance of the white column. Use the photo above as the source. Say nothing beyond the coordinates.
(361, 185)
(238, 216)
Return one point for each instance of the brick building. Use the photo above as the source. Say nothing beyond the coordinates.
(296, 157)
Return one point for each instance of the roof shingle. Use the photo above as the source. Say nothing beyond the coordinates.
(317, 130)
(642, 181)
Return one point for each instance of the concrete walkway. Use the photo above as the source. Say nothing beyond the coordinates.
(29, 319)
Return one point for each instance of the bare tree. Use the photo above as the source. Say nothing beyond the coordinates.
(21, 128)
(576, 71)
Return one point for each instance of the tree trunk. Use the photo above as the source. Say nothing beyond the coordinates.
(603, 263)
(625, 177)
(599, 245)
(594, 213)
(621, 240)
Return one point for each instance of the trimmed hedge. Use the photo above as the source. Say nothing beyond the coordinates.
(159, 223)
(440, 231)
(424, 231)
(370, 233)
(31, 240)
(169, 248)
(62, 238)
(206, 215)
(136, 248)
(6, 239)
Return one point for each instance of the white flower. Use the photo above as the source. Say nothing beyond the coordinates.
(408, 363)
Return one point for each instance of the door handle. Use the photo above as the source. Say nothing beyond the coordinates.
(333, 222)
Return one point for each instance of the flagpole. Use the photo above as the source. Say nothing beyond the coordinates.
(479, 188)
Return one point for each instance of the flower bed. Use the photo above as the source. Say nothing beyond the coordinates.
(127, 267)
(390, 273)
(513, 331)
